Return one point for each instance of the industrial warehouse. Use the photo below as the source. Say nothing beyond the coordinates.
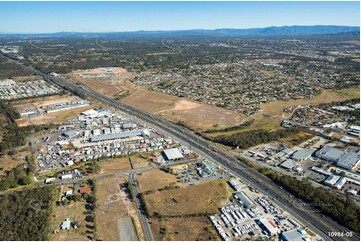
(101, 133)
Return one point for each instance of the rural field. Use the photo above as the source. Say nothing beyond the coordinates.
(183, 229)
(194, 199)
(75, 212)
(114, 203)
(155, 179)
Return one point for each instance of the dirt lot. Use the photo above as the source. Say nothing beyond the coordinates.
(115, 86)
(183, 229)
(113, 203)
(155, 179)
(115, 165)
(140, 160)
(196, 115)
(202, 198)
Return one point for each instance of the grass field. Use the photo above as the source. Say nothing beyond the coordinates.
(155, 179)
(75, 211)
(297, 139)
(326, 96)
(114, 165)
(202, 198)
(196, 115)
(7, 163)
(113, 203)
(183, 229)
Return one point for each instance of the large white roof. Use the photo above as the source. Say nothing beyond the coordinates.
(173, 154)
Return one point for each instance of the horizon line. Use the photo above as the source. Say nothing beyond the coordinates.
(173, 30)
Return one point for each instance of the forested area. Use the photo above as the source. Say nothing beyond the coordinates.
(344, 211)
(254, 137)
(25, 215)
(13, 135)
(9, 69)
(20, 175)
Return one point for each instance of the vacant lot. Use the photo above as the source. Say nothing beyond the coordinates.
(155, 179)
(297, 139)
(202, 198)
(115, 86)
(114, 203)
(183, 229)
(115, 165)
(140, 160)
(196, 115)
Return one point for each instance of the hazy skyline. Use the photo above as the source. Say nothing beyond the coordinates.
(47, 17)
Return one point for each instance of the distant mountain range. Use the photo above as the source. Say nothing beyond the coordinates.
(268, 31)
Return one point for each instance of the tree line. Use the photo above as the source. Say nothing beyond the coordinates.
(254, 137)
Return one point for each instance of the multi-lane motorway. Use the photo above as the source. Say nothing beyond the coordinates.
(320, 224)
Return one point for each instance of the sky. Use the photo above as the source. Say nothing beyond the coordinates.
(49, 17)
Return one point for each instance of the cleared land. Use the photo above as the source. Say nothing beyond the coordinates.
(183, 229)
(202, 198)
(115, 86)
(114, 203)
(115, 165)
(196, 115)
(155, 179)
(182, 212)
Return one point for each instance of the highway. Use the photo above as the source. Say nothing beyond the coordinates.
(316, 222)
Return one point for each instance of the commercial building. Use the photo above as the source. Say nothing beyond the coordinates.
(123, 135)
(172, 154)
(331, 180)
(270, 227)
(329, 154)
(288, 164)
(244, 200)
(236, 184)
(298, 234)
(348, 160)
(301, 155)
(339, 184)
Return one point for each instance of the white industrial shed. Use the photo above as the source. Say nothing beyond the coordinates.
(172, 154)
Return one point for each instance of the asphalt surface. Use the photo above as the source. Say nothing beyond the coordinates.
(320, 224)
